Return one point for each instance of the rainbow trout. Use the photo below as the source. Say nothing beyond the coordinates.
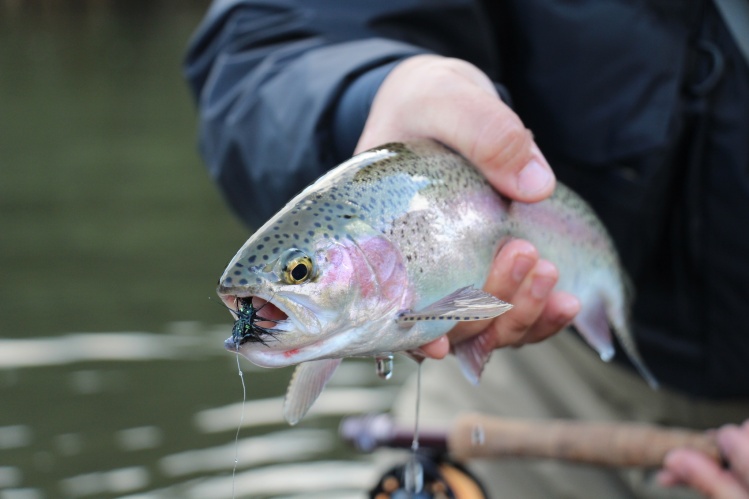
(389, 250)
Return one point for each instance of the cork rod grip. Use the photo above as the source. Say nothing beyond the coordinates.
(601, 444)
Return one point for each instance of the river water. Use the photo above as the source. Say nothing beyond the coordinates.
(113, 378)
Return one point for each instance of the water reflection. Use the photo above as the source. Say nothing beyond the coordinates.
(90, 347)
(106, 482)
(144, 437)
(14, 436)
(332, 402)
(326, 477)
(126, 416)
(289, 445)
(9, 477)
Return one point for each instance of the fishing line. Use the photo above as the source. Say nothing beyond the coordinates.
(414, 473)
(241, 421)
(415, 442)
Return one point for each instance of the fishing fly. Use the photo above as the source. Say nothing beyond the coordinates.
(246, 328)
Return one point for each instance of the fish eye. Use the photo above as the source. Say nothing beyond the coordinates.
(296, 266)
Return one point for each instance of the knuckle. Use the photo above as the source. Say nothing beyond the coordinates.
(510, 328)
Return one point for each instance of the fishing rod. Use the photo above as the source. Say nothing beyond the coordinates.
(608, 444)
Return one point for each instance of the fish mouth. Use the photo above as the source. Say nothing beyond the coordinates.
(265, 315)
(275, 314)
(256, 320)
(267, 312)
(281, 333)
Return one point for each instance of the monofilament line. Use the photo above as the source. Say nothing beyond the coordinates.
(236, 437)
(415, 442)
(413, 472)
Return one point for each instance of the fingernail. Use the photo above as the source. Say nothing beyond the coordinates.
(534, 178)
(541, 286)
(521, 267)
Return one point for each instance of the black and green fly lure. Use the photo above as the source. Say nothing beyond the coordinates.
(245, 328)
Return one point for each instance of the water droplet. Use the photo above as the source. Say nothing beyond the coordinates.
(384, 366)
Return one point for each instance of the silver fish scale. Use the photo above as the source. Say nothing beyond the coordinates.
(453, 221)
(382, 193)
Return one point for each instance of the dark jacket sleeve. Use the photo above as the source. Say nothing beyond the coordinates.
(268, 76)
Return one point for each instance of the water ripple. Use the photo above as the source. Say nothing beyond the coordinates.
(81, 347)
(332, 402)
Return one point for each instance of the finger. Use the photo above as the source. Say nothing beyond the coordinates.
(454, 102)
(537, 312)
(436, 349)
(529, 301)
(734, 444)
(703, 474)
(509, 269)
(561, 309)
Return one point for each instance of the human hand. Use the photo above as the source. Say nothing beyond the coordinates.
(455, 103)
(692, 468)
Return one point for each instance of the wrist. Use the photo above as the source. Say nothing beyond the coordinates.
(353, 107)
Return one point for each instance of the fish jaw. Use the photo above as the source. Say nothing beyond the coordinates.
(286, 324)
(292, 343)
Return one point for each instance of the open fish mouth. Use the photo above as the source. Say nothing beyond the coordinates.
(268, 314)
(256, 320)
(271, 330)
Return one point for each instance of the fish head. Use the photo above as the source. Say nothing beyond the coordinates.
(322, 286)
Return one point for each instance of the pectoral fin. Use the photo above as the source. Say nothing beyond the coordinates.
(305, 386)
(465, 304)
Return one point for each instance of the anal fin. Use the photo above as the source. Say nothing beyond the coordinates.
(305, 386)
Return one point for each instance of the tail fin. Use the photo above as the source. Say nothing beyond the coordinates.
(634, 356)
(626, 340)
